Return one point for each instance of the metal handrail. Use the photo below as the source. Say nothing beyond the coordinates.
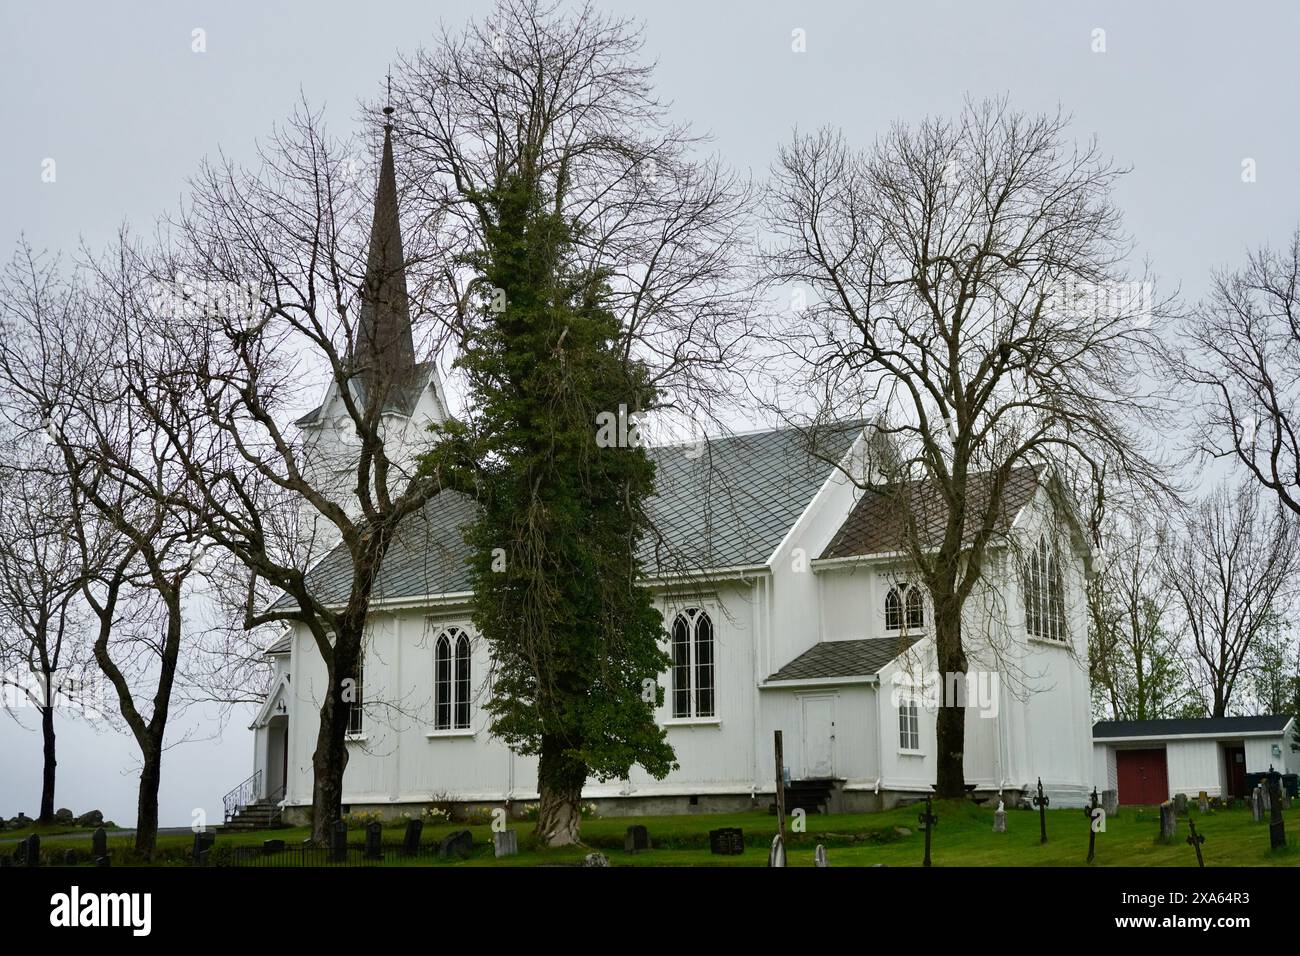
(242, 795)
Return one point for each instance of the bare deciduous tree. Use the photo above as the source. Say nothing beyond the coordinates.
(1136, 661)
(1240, 354)
(71, 367)
(43, 652)
(1231, 570)
(969, 298)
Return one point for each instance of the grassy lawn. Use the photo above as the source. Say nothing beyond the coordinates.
(963, 837)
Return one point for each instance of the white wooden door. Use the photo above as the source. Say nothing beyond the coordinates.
(819, 737)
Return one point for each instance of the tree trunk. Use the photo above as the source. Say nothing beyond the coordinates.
(47, 781)
(146, 819)
(950, 778)
(328, 764)
(559, 783)
(330, 759)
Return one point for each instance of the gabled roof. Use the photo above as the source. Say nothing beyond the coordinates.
(282, 646)
(831, 659)
(877, 525)
(402, 397)
(1190, 727)
(724, 503)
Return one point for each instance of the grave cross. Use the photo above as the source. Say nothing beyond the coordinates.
(1090, 811)
(1195, 840)
(928, 822)
(1041, 800)
(1276, 825)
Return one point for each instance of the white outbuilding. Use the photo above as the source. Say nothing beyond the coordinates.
(1148, 761)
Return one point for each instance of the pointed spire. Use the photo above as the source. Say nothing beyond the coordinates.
(385, 351)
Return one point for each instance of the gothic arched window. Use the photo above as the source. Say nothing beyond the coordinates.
(904, 608)
(451, 680)
(1044, 594)
(693, 674)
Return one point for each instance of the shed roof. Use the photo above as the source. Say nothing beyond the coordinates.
(831, 659)
(1190, 727)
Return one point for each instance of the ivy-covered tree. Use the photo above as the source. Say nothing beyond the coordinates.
(574, 637)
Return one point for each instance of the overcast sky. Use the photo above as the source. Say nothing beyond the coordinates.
(116, 96)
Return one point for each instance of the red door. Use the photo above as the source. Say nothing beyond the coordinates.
(1236, 757)
(1143, 777)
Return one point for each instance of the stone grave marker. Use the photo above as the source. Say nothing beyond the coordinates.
(505, 843)
(339, 842)
(1180, 804)
(1168, 821)
(411, 838)
(1203, 802)
(272, 846)
(99, 843)
(1110, 802)
(727, 841)
(636, 838)
(819, 856)
(458, 843)
(374, 840)
(595, 859)
(1000, 818)
(776, 856)
(203, 843)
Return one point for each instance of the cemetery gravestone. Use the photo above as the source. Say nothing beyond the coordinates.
(727, 841)
(272, 846)
(1000, 818)
(636, 839)
(1168, 821)
(374, 840)
(1110, 802)
(819, 856)
(1203, 802)
(459, 843)
(1257, 803)
(1095, 815)
(595, 859)
(1195, 839)
(339, 842)
(1041, 801)
(1180, 804)
(505, 843)
(411, 839)
(99, 843)
(1276, 825)
(203, 843)
(776, 856)
(928, 822)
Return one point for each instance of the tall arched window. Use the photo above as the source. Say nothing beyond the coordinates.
(693, 691)
(356, 715)
(1044, 594)
(451, 680)
(904, 608)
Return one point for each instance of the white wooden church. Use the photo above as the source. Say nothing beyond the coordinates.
(786, 607)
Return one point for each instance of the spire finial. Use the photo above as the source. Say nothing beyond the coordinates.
(388, 110)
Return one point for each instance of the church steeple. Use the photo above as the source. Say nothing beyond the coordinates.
(384, 351)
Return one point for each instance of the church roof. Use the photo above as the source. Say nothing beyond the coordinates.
(401, 398)
(877, 524)
(831, 659)
(725, 503)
